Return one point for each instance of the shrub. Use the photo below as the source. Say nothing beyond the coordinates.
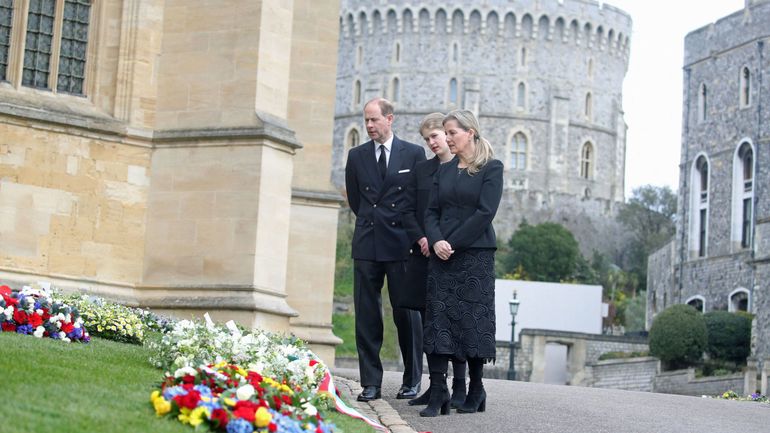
(729, 336)
(678, 336)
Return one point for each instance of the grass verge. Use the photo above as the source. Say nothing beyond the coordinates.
(50, 386)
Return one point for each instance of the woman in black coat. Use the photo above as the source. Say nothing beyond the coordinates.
(460, 308)
(415, 203)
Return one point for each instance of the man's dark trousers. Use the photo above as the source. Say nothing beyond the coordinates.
(368, 281)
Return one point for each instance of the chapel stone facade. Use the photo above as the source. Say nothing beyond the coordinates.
(544, 77)
(166, 153)
(719, 258)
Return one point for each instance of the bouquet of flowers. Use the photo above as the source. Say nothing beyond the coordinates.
(229, 398)
(108, 320)
(190, 344)
(33, 311)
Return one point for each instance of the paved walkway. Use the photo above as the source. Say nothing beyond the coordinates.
(523, 407)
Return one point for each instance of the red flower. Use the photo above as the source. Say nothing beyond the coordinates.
(67, 327)
(46, 315)
(20, 317)
(10, 300)
(188, 378)
(5, 290)
(313, 362)
(245, 409)
(272, 427)
(254, 378)
(8, 327)
(189, 400)
(35, 320)
(318, 429)
(220, 416)
(286, 399)
(277, 402)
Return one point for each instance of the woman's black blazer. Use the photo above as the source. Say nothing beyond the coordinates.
(462, 207)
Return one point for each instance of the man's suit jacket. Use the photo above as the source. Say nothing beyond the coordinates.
(462, 207)
(416, 201)
(379, 234)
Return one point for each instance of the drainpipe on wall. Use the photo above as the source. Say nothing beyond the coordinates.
(685, 193)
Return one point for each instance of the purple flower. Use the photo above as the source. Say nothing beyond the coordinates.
(75, 334)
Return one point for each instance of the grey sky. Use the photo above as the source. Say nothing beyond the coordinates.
(652, 92)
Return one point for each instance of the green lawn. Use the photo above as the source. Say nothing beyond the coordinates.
(50, 386)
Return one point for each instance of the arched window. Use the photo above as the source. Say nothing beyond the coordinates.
(739, 300)
(455, 52)
(702, 103)
(590, 68)
(699, 204)
(519, 151)
(586, 160)
(589, 107)
(521, 96)
(397, 53)
(523, 57)
(743, 195)
(395, 89)
(357, 93)
(453, 91)
(352, 140)
(698, 302)
(359, 56)
(745, 87)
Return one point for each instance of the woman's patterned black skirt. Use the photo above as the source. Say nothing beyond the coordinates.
(460, 305)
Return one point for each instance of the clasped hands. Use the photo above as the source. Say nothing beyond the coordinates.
(443, 250)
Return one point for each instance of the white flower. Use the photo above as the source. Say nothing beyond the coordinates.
(184, 372)
(39, 332)
(245, 392)
(62, 335)
(39, 311)
(309, 409)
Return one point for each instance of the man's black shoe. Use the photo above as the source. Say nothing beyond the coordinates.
(369, 393)
(408, 391)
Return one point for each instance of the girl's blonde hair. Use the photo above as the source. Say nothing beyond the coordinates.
(432, 121)
(483, 152)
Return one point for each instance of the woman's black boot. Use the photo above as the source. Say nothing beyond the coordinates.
(439, 396)
(421, 400)
(458, 384)
(476, 400)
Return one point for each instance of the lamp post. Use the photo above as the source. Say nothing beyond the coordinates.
(514, 305)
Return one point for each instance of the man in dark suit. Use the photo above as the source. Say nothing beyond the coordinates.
(376, 176)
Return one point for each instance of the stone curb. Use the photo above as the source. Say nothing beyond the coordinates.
(378, 410)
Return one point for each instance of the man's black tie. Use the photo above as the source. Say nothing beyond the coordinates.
(382, 163)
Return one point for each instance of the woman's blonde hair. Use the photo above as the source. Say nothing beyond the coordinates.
(483, 152)
(432, 121)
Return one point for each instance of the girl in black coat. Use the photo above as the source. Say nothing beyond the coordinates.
(415, 204)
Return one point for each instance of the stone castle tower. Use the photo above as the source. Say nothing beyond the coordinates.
(719, 258)
(544, 77)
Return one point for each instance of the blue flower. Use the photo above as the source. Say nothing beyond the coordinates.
(239, 425)
(25, 329)
(173, 391)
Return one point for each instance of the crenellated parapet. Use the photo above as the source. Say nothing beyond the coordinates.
(578, 22)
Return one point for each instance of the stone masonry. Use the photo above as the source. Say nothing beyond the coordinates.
(720, 256)
(544, 77)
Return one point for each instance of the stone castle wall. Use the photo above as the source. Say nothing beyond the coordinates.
(560, 52)
(715, 58)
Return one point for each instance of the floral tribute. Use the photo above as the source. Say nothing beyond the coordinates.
(732, 395)
(226, 397)
(33, 311)
(238, 381)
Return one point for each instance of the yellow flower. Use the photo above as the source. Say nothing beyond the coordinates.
(229, 401)
(241, 371)
(155, 394)
(184, 415)
(198, 415)
(262, 418)
(161, 406)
